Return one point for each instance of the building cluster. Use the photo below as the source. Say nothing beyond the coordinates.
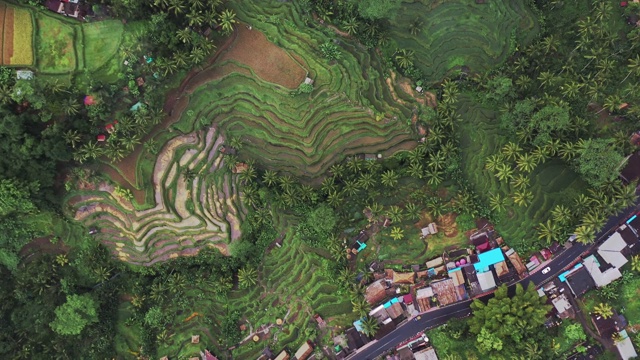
(597, 270)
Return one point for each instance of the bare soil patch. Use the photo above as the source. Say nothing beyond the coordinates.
(129, 168)
(447, 223)
(7, 51)
(267, 60)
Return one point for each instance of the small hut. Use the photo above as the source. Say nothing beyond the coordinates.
(195, 339)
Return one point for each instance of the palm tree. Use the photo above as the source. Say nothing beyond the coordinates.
(550, 44)
(504, 172)
(394, 213)
(337, 170)
(511, 150)
(520, 181)
(270, 178)
(247, 277)
(415, 26)
(547, 78)
(493, 161)
(603, 309)
(552, 147)
(226, 20)
(389, 178)
(568, 151)
(397, 233)
(370, 326)
(434, 177)
(176, 6)
(415, 170)
(184, 35)
(413, 211)
(626, 196)
(561, 214)
(361, 307)
(526, 163)
(72, 138)
(366, 181)
(594, 219)
(195, 18)
(548, 231)
(351, 26)
(351, 187)
(585, 234)
(498, 203)
(611, 103)
(436, 207)
(522, 197)
(635, 263)
(437, 160)
(189, 175)
(286, 182)
(571, 89)
(334, 198)
(634, 67)
(404, 58)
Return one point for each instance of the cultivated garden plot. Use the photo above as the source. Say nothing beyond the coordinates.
(17, 35)
(453, 33)
(191, 211)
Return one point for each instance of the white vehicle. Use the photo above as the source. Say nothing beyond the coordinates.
(546, 270)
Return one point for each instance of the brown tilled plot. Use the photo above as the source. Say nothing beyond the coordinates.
(269, 62)
(3, 9)
(7, 38)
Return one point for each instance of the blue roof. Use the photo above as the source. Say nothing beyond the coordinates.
(631, 218)
(454, 270)
(390, 302)
(563, 276)
(358, 324)
(490, 257)
(362, 246)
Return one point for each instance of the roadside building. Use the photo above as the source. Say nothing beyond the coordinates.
(376, 292)
(403, 278)
(625, 346)
(629, 236)
(282, 356)
(611, 250)
(487, 281)
(423, 297)
(447, 292)
(304, 351)
(379, 313)
(355, 339)
(579, 280)
(602, 275)
(472, 280)
(563, 306)
(428, 353)
(607, 327)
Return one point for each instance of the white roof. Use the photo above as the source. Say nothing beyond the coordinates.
(561, 303)
(600, 278)
(424, 293)
(303, 351)
(24, 74)
(626, 350)
(426, 354)
(611, 249)
(486, 280)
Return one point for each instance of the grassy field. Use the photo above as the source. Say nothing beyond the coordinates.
(101, 43)
(453, 33)
(551, 183)
(55, 45)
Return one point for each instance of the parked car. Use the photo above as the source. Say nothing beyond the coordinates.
(546, 270)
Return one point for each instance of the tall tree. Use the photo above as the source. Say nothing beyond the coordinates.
(74, 315)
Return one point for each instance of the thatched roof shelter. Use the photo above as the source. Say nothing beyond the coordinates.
(404, 278)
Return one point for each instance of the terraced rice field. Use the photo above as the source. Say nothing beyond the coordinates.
(17, 36)
(551, 183)
(187, 215)
(291, 286)
(460, 32)
(302, 134)
(101, 41)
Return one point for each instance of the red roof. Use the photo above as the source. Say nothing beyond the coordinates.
(89, 100)
(109, 126)
(624, 3)
(209, 356)
(483, 247)
(408, 299)
(546, 254)
(101, 137)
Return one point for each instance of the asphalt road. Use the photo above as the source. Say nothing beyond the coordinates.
(440, 316)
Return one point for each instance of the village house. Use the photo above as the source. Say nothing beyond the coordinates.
(602, 275)
(578, 279)
(303, 351)
(625, 346)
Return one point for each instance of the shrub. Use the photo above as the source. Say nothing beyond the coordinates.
(305, 88)
(330, 51)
